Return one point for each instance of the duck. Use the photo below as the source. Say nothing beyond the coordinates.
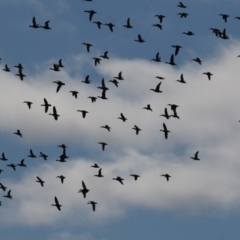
(55, 114)
(183, 15)
(95, 165)
(3, 158)
(165, 130)
(103, 96)
(22, 164)
(105, 55)
(84, 113)
(99, 173)
(57, 205)
(166, 115)
(74, 93)
(119, 77)
(189, 33)
(19, 66)
(93, 205)
(157, 58)
(88, 45)
(195, 156)
(208, 75)
(46, 105)
(60, 63)
(181, 79)
(13, 166)
(87, 80)
(29, 104)
(31, 155)
(98, 24)
(137, 129)
(110, 25)
(59, 85)
(39, 180)
(3, 187)
(224, 17)
(96, 61)
(6, 69)
(119, 179)
(167, 176)
(160, 17)
(198, 60)
(103, 86)
(157, 25)
(140, 39)
(128, 25)
(115, 82)
(55, 68)
(103, 145)
(84, 191)
(18, 133)
(34, 24)
(44, 156)
(181, 5)
(177, 48)
(61, 178)
(91, 13)
(171, 62)
(174, 109)
(8, 195)
(20, 74)
(157, 89)
(135, 176)
(46, 26)
(122, 117)
(148, 107)
(93, 99)
(106, 127)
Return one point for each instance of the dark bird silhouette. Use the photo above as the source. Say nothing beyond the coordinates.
(18, 133)
(74, 93)
(115, 82)
(19, 66)
(62, 158)
(157, 58)
(158, 77)
(103, 96)
(93, 99)
(189, 33)
(183, 15)
(88, 45)
(31, 155)
(148, 107)
(195, 156)
(95, 165)
(61, 178)
(39, 180)
(3, 158)
(60, 63)
(181, 79)
(91, 13)
(157, 25)
(216, 31)
(181, 5)
(20, 74)
(137, 129)
(28, 103)
(3, 187)
(8, 195)
(157, 89)
(57, 205)
(46, 25)
(59, 85)
(96, 61)
(106, 127)
(84, 191)
(103, 86)
(13, 166)
(98, 24)
(166, 115)
(22, 164)
(208, 75)
(54, 114)
(119, 77)
(103, 145)
(44, 156)
(119, 179)
(1, 171)
(198, 60)
(135, 176)
(99, 173)
(105, 55)
(93, 205)
(46, 105)
(55, 68)
(167, 176)
(110, 25)
(224, 35)
(34, 24)
(237, 18)
(122, 117)
(165, 130)
(174, 109)
(6, 69)
(84, 113)
(128, 25)
(140, 39)
(177, 48)
(160, 17)
(87, 80)
(171, 62)
(224, 17)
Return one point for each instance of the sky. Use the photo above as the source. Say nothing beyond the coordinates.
(201, 198)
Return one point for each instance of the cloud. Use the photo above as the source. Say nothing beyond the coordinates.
(65, 235)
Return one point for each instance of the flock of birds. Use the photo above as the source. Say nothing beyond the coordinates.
(118, 78)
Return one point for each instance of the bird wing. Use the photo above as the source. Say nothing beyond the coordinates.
(56, 201)
(83, 184)
(34, 21)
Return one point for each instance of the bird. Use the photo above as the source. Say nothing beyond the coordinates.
(46, 25)
(60, 63)
(105, 55)
(55, 68)
(174, 109)
(84, 113)
(61, 178)
(93, 205)
(28, 103)
(93, 99)
(224, 35)
(115, 82)
(34, 24)
(195, 156)
(189, 33)
(140, 39)
(3, 158)
(84, 191)
(3, 187)
(59, 85)
(87, 81)
(157, 58)
(31, 155)
(148, 107)
(181, 79)
(13, 166)
(137, 129)
(165, 130)
(119, 77)
(110, 25)
(166, 115)
(62, 158)
(160, 17)
(167, 176)
(8, 195)
(177, 48)
(103, 86)
(1, 171)
(54, 114)
(22, 164)
(57, 205)
(106, 127)
(224, 17)
(157, 89)
(99, 173)
(19, 66)
(7, 69)
(208, 75)
(135, 176)
(18, 133)
(44, 156)
(98, 24)
(20, 74)
(91, 13)
(39, 180)
(122, 117)
(74, 93)
(46, 105)
(103, 96)
(128, 25)
(95, 165)
(171, 62)
(88, 45)
(158, 77)
(96, 61)
(157, 25)
(198, 60)
(183, 15)
(119, 179)
(103, 145)
(181, 5)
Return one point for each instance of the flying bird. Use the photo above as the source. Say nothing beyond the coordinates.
(44, 156)
(13, 166)
(55, 68)
(87, 80)
(177, 48)
(106, 127)
(157, 25)
(183, 15)
(22, 164)
(119, 76)
(119, 179)
(93, 205)
(74, 93)
(165, 130)
(148, 107)
(157, 58)
(39, 180)
(54, 114)
(157, 89)
(139, 39)
(6, 69)
(91, 13)
(8, 195)
(198, 60)
(208, 75)
(135, 176)
(128, 25)
(189, 33)
(224, 17)
(110, 25)
(97, 61)
(59, 85)
(84, 113)
(34, 24)
(46, 25)
(103, 86)
(57, 205)
(167, 176)
(3, 158)
(18, 133)
(160, 17)
(84, 191)
(98, 24)
(195, 156)
(181, 5)
(46, 105)
(166, 115)
(181, 79)
(122, 117)
(137, 129)
(103, 145)
(88, 45)
(31, 155)
(99, 173)
(115, 82)
(29, 104)
(171, 62)
(95, 165)
(61, 178)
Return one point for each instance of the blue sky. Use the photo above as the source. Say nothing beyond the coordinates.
(202, 198)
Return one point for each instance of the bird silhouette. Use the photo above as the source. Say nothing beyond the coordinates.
(3, 187)
(61, 178)
(34, 24)
(93, 99)
(115, 82)
(171, 62)
(157, 58)
(93, 205)
(157, 25)
(174, 109)
(160, 17)
(19, 66)
(3, 158)
(189, 33)
(57, 205)
(55, 68)
(87, 81)
(177, 48)
(95, 165)
(6, 69)
(84, 113)
(54, 114)
(13, 166)
(166, 115)
(110, 25)
(122, 117)
(20, 74)
(84, 191)
(91, 13)
(46, 105)
(128, 25)
(195, 156)
(181, 79)
(139, 39)
(31, 155)
(135, 176)
(99, 173)
(74, 93)
(167, 176)
(224, 34)
(103, 145)
(103, 86)
(18, 133)
(137, 129)
(158, 77)
(119, 179)
(44, 156)
(60, 63)
(96, 61)
(98, 24)
(106, 127)
(165, 130)
(88, 45)
(157, 89)
(224, 17)
(22, 164)
(103, 96)
(198, 60)
(59, 85)
(39, 180)
(148, 107)
(208, 75)
(29, 104)
(8, 195)
(46, 25)
(105, 55)
(119, 76)
(183, 15)
(181, 5)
